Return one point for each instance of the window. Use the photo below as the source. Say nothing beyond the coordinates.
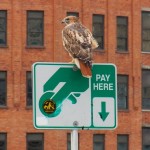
(122, 33)
(145, 31)
(3, 141)
(3, 27)
(35, 141)
(29, 88)
(68, 141)
(146, 139)
(3, 88)
(73, 14)
(122, 90)
(145, 89)
(98, 30)
(98, 142)
(122, 142)
(35, 24)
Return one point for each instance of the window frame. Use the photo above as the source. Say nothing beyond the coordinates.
(27, 20)
(102, 140)
(126, 26)
(144, 128)
(68, 141)
(127, 86)
(126, 142)
(27, 90)
(5, 95)
(102, 36)
(3, 138)
(71, 13)
(33, 134)
(143, 106)
(5, 32)
(144, 51)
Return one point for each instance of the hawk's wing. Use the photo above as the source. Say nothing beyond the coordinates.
(79, 42)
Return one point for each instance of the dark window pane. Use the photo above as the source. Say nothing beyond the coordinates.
(3, 88)
(3, 141)
(146, 35)
(2, 13)
(34, 38)
(100, 41)
(35, 25)
(122, 90)
(29, 89)
(35, 28)
(146, 46)
(98, 19)
(68, 141)
(2, 38)
(122, 33)
(122, 142)
(73, 14)
(3, 26)
(98, 142)
(146, 19)
(35, 141)
(122, 21)
(146, 89)
(98, 29)
(146, 138)
(122, 43)
(35, 14)
(146, 31)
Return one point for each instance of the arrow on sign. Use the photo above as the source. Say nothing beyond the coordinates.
(103, 114)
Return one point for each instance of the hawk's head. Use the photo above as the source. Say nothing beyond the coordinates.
(70, 19)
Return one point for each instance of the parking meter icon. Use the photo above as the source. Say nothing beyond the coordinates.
(49, 106)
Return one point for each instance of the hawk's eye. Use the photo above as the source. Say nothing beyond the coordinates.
(67, 20)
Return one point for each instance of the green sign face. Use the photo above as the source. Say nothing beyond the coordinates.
(103, 81)
(104, 96)
(64, 99)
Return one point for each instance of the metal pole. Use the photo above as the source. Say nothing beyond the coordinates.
(74, 139)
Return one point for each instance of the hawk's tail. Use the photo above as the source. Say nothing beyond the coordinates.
(85, 70)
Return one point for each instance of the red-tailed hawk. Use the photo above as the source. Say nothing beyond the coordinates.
(79, 43)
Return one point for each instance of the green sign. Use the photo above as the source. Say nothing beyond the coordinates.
(64, 99)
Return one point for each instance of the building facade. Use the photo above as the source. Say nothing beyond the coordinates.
(30, 31)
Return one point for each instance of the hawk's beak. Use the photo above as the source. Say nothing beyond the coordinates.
(63, 21)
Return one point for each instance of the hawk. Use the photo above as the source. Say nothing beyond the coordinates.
(79, 43)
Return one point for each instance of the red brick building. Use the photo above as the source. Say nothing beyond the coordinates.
(30, 31)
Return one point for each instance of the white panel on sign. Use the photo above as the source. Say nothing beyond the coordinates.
(103, 112)
(74, 108)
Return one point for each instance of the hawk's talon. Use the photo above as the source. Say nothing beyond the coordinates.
(71, 62)
(75, 68)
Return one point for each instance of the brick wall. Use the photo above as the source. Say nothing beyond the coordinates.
(17, 58)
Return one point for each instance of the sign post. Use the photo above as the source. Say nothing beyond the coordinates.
(64, 99)
(74, 139)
